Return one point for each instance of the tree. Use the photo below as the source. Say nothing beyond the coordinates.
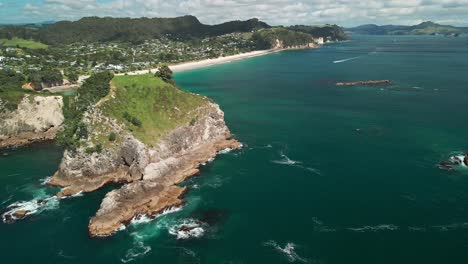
(72, 75)
(165, 73)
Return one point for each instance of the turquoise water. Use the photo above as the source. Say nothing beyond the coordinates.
(328, 174)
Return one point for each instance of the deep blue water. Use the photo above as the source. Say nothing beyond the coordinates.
(328, 174)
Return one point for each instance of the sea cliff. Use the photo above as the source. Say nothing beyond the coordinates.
(36, 118)
(150, 158)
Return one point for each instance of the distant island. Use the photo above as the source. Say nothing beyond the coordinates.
(425, 28)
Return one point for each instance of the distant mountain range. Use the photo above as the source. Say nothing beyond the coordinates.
(425, 28)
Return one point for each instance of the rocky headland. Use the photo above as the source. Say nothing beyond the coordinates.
(36, 118)
(148, 168)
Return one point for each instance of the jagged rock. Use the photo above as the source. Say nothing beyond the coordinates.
(37, 118)
(150, 173)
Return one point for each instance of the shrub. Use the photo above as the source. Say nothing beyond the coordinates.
(112, 136)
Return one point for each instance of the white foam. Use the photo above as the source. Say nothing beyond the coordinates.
(374, 228)
(143, 219)
(208, 161)
(139, 250)
(32, 207)
(288, 250)
(45, 181)
(225, 151)
(451, 227)
(192, 229)
(320, 227)
(287, 161)
(459, 160)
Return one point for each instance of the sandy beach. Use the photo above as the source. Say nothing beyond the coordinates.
(186, 66)
(191, 65)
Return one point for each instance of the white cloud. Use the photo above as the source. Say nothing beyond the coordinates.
(275, 12)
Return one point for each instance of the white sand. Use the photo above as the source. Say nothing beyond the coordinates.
(186, 66)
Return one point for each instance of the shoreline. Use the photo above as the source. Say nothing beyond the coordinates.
(192, 65)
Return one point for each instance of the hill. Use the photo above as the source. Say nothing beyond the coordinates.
(425, 28)
(135, 30)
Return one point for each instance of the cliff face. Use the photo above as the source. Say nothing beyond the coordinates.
(150, 172)
(37, 118)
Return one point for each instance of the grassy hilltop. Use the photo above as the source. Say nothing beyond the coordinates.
(149, 106)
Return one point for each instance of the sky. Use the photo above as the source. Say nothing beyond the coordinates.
(275, 12)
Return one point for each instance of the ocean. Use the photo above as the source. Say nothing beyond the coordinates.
(328, 174)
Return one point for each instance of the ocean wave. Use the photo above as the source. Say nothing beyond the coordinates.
(457, 161)
(143, 219)
(45, 181)
(22, 209)
(208, 161)
(188, 228)
(450, 227)
(285, 160)
(288, 250)
(345, 60)
(225, 151)
(138, 250)
(320, 227)
(7, 200)
(376, 228)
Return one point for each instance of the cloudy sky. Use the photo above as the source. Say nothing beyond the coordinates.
(275, 12)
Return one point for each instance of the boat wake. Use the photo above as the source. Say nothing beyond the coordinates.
(345, 60)
(289, 250)
(285, 160)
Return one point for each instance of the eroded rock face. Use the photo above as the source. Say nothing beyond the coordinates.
(150, 173)
(37, 118)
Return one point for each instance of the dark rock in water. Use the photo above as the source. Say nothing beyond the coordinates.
(465, 160)
(445, 166)
(185, 228)
(373, 82)
(213, 216)
(7, 218)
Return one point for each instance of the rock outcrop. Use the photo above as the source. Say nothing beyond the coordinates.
(150, 173)
(373, 82)
(37, 118)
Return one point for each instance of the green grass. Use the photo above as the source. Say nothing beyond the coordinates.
(23, 43)
(159, 106)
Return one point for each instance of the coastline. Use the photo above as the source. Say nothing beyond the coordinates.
(192, 65)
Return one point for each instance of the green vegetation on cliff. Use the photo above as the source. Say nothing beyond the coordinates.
(93, 89)
(11, 92)
(267, 38)
(332, 32)
(158, 106)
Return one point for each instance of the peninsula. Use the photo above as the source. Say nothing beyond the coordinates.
(127, 123)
